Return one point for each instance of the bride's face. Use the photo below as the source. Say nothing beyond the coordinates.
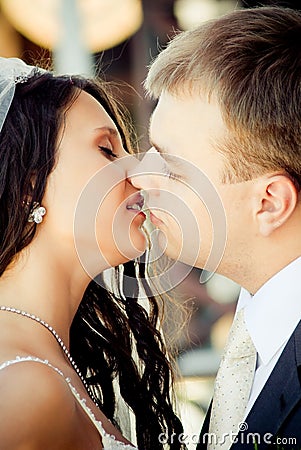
(89, 199)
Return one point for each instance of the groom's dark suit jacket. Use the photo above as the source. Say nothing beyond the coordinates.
(276, 414)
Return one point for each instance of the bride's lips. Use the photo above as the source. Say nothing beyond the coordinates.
(135, 204)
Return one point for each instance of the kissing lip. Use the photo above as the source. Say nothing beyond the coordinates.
(136, 203)
(155, 220)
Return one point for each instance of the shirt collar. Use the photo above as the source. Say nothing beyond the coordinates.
(272, 314)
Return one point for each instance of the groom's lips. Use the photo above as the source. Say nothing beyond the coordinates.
(155, 220)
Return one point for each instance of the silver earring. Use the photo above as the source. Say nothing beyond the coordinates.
(37, 213)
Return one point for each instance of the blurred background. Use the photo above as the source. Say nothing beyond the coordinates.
(117, 39)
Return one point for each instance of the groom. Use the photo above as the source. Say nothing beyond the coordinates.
(227, 133)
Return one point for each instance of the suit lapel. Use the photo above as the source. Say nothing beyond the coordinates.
(280, 394)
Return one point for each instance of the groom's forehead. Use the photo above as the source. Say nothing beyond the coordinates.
(179, 120)
(163, 123)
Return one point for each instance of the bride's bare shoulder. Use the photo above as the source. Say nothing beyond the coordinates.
(36, 407)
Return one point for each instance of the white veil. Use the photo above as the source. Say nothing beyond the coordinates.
(12, 72)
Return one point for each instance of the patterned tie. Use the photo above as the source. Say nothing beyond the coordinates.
(232, 385)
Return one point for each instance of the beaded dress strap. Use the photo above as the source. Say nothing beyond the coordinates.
(109, 441)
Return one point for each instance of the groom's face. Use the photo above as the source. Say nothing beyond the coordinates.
(182, 174)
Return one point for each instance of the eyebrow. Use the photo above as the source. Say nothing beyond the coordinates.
(168, 157)
(110, 130)
(160, 150)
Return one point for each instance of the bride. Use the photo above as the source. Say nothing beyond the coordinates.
(67, 213)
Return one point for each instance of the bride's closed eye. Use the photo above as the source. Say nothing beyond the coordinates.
(107, 152)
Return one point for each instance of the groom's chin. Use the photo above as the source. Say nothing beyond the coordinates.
(170, 247)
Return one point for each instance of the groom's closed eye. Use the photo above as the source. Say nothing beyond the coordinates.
(172, 164)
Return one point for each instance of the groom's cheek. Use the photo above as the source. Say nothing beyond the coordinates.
(171, 238)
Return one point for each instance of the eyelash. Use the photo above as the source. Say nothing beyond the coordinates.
(107, 151)
(170, 174)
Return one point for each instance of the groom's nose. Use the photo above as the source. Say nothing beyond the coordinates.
(146, 174)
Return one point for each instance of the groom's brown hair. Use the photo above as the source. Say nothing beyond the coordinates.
(250, 62)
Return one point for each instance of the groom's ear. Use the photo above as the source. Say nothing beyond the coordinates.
(276, 198)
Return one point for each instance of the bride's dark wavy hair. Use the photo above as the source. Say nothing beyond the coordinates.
(112, 335)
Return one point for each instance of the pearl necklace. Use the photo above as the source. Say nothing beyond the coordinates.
(59, 340)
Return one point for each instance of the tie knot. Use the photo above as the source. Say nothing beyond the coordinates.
(239, 342)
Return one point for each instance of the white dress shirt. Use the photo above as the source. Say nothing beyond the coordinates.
(271, 316)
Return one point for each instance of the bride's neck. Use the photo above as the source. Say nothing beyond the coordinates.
(44, 282)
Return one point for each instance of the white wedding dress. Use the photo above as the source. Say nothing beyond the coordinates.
(109, 441)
